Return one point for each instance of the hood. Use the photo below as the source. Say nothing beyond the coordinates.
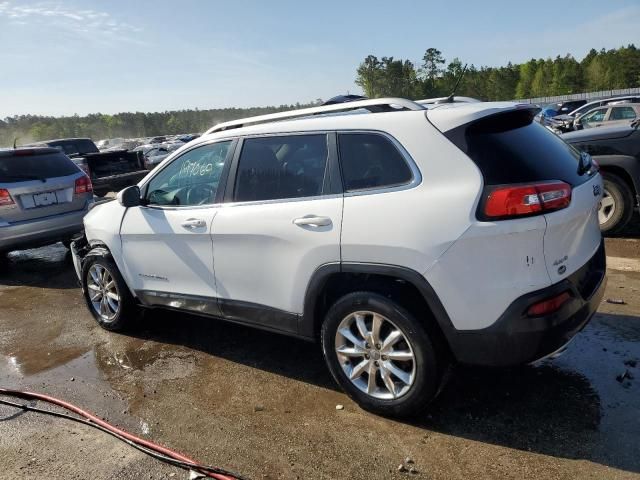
(598, 133)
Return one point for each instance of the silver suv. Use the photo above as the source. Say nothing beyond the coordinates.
(43, 197)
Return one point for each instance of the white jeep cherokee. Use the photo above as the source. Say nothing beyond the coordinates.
(403, 239)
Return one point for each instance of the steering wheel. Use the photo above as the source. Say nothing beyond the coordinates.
(161, 197)
(200, 194)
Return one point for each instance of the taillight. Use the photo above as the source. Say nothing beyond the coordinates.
(83, 185)
(5, 198)
(522, 200)
(549, 305)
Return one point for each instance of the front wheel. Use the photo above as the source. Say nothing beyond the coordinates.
(381, 355)
(107, 295)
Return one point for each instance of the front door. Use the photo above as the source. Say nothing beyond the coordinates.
(166, 242)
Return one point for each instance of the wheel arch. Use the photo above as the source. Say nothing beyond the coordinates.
(406, 286)
(101, 250)
(624, 166)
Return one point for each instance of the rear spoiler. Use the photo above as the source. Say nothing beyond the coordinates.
(446, 117)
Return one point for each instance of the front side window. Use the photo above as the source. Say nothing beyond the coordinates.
(595, 116)
(190, 179)
(369, 160)
(622, 113)
(280, 167)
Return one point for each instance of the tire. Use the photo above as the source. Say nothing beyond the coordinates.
(100, 193)
(67, 243)
(125, 311)
(616, 208)
(426, 367)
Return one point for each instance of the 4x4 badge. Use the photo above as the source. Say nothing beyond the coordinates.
(596, 190)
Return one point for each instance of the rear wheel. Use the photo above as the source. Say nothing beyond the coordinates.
(616, 207)
(381, 355)
(107, 295)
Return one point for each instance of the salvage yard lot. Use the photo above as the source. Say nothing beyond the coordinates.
(265, 405)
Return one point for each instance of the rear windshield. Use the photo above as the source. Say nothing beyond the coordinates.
(71, 147)
(512, 148)
(33, 167)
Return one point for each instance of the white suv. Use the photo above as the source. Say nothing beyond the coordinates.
(403, 239)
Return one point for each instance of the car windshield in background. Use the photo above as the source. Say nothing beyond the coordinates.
(34, 167)
(75, 147)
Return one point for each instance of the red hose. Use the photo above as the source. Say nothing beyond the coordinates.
(89, 416)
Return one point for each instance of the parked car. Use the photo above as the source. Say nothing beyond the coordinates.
(546, 114)
(153, 154)
(565, 122)
(617, 150)
(43, 197)
(402, 241)
(609, 115)
(109, 171)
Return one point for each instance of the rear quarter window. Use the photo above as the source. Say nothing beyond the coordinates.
(24, 168)
(371, 161)
(512, 148)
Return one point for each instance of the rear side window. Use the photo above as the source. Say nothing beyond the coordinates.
(280, 167)
(33, 167)
(622, 113)
(370, 160)
(511, 148)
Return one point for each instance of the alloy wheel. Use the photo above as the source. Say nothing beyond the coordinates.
(103, 292)
(607, 207)
(375, 355)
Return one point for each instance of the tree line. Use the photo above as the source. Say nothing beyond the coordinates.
(31, 128)
(434, 77)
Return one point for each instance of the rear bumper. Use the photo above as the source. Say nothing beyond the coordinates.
(517, 339)
(42, 231)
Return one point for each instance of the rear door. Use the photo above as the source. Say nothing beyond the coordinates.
(39, 184)
(281, 223)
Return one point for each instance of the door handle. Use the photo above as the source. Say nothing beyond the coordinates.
(193, 223)
(312, 221)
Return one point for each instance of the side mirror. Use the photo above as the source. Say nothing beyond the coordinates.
(129, 197)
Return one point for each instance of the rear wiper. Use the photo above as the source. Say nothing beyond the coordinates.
(24, 177)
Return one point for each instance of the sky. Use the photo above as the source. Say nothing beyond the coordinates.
(65, 57)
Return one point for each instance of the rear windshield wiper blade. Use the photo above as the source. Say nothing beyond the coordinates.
(23, 177)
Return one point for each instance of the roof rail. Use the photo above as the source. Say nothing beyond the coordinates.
(390, 103)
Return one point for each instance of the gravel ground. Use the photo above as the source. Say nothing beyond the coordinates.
(265, 405)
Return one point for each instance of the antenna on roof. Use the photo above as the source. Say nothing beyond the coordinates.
(15, 141)
(449, 99)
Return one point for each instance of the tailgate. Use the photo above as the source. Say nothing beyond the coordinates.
(573, 233)
(36, 199)
(109, 164)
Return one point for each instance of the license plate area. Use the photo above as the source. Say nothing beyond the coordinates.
(43, 199)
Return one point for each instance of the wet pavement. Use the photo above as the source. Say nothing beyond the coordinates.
(264, 404)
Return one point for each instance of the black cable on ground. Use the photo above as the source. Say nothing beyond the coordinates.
(148, 451)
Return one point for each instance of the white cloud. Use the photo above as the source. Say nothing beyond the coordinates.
(80, 21)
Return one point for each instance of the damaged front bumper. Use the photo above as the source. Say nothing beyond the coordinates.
(79, 248)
